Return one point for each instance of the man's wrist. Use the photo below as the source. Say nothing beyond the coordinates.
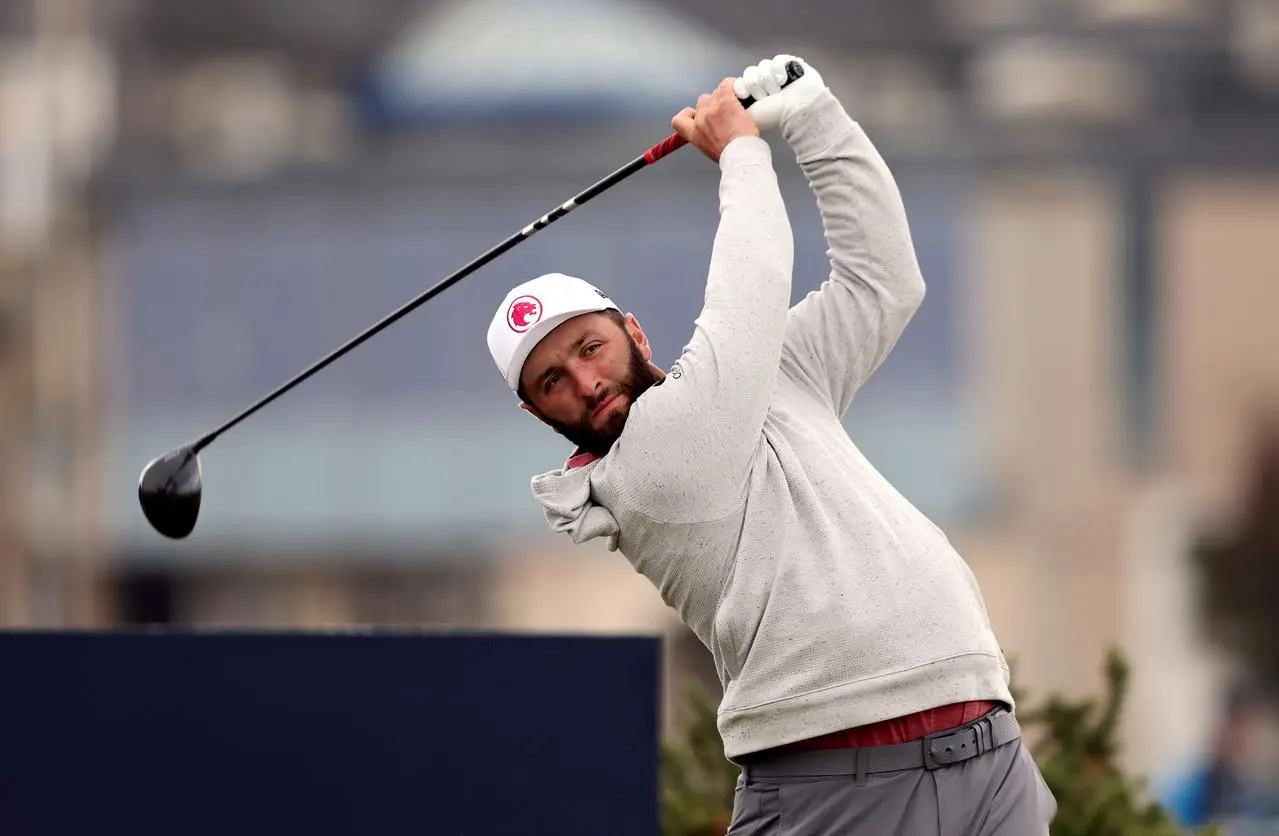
(747, 149)
(818, 125)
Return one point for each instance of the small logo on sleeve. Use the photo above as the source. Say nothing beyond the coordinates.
(523, 314)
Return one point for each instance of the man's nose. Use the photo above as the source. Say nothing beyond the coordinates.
(589, 382)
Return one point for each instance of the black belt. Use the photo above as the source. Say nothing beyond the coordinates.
(929, 752)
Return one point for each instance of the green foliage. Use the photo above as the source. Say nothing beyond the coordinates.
(1075, 744)
(1074, 741)
(697, 780)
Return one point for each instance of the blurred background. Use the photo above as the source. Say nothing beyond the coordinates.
(198, 200)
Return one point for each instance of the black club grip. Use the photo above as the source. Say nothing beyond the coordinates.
(794, 70)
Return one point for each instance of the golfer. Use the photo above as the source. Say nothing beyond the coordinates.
(864, 690)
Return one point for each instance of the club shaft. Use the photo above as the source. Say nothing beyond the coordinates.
(644, 160)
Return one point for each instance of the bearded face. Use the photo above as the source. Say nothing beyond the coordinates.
(583, 377)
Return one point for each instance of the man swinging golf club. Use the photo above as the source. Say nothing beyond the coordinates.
(864, 690)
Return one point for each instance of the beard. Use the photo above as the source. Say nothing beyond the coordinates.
(640, 376)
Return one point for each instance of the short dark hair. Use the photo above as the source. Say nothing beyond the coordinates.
(612, 313)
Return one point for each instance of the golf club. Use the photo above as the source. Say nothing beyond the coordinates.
(171, 486)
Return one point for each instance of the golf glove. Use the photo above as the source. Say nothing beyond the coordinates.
(774, 106)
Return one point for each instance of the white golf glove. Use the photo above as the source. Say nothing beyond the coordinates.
(774, 106)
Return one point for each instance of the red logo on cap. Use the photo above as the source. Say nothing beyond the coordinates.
(524, 313)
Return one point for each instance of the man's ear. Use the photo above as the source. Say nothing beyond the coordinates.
(637, 334)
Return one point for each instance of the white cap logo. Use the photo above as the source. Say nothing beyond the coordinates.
(523, 313)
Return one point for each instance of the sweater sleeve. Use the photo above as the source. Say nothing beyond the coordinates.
(838, 335)
(689, 443)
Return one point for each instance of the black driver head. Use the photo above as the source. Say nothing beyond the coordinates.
(169, 490)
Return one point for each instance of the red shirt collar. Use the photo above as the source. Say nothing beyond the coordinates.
(579, 459)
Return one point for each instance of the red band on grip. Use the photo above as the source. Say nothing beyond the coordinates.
(666, 146)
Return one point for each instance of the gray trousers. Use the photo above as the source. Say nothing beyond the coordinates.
(997, 793)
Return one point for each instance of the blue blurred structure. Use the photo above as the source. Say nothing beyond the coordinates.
(413, 433)
(412, 439)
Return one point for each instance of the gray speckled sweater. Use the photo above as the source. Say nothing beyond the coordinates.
(827, 600)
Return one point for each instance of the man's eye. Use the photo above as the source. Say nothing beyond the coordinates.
(590, 349)
(550, 382)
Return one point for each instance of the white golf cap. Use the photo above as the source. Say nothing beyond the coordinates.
(531, 311)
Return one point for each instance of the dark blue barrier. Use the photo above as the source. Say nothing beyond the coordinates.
(184, 734)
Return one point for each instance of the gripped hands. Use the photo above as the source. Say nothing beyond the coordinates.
(717, 120)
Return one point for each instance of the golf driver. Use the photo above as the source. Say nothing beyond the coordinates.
(171, 486)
